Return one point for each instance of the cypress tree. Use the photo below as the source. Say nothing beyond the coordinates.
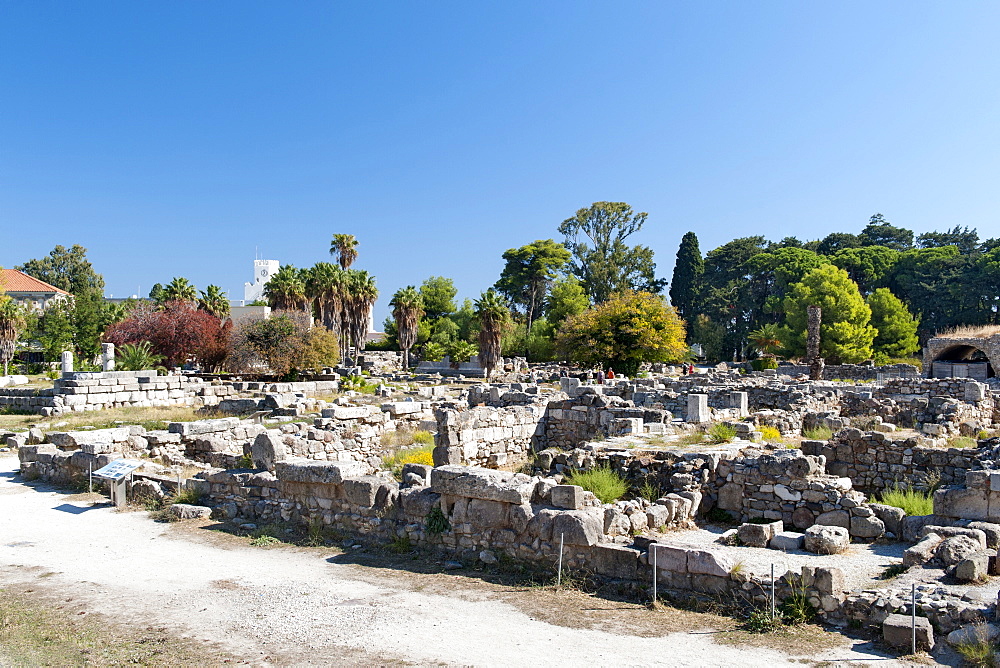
(688, 271)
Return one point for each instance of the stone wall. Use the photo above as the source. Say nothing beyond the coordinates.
(856, 372)
(486, 435)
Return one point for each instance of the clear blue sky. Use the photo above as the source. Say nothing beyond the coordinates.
(176, 138)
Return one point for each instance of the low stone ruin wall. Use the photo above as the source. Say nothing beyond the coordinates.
(487, 436)
(874, 461)
(856, 372)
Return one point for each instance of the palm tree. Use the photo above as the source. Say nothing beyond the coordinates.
(494, 318)
(286, 290)
(180, 289)
(214, 300)
(360, 296)
(766, 339)
(323, 283)
(12, 323)
(407, 308)
(345, 247)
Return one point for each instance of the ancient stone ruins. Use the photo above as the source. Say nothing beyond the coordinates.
(703, 518)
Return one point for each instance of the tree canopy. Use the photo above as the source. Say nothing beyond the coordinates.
(686, 284)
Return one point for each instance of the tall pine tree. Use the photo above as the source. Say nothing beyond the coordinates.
(686, 282)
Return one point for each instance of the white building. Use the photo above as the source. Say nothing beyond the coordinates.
(263, 270)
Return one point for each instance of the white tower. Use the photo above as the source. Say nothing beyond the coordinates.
(263, 270)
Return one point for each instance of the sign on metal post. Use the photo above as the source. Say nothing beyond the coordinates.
(116, 472)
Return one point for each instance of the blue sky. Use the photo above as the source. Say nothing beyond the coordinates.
(177, 139)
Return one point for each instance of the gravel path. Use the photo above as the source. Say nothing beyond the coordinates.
(296, 604)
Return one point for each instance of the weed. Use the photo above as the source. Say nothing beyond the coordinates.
(187, 495)
(163, 515)
(913, 502)
(649, 490)
(314, 533)
(761, 621)
(606, 484)
(264, 541)
(423, 437)
(694, 438)
(719, 516)
(437, 523)
(414, 455)
(962, 442)
(721, 433)
(796, 609)
(401, 545)
(893, 571)
(244, 462)
(978, 650)
(738, 569)
(818, 433)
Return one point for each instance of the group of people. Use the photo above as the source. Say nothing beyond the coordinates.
(602, 376)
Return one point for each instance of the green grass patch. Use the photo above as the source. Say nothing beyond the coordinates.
(606, 484)
(962, 442)
(818, 434)
(913, 502)
(721, 433)
(188, 496)
(423, 454)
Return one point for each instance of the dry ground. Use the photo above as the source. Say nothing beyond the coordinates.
(85, 584)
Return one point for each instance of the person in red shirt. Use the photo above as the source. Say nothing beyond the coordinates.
(611, 374)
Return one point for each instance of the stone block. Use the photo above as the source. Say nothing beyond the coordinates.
(578, 527)
(669, 558)
(829, 581)
(923, 551)
(615, 561)
(267, 450)
(569, 497)
(984, 632)
(758, 535)
(658, 516)
(891, 516)
(973, 568)
(730, 497)
(835, 518)
(363, 491)
(483, 514)
(969, 504)
(706, 562)
(697, 408)
(186, 511)
(989, 529)
(318, 473)
(787, 540)
(948, 532)
(422, 471)
(955, 549)
(478, 483)
(867, 527)
(822, 539)
(897, 631)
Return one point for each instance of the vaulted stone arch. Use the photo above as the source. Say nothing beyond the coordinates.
(963, 355)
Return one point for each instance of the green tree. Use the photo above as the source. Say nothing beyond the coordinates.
(837, 241)
(156, 294)
(286, 289)
(731, 298)
(438, 294)
(87, 312)
(766, 339)
(868, 266)
(846, 333)
(359, 299)
(896, 326)
(879, 232)
(55, 330)
(686, 285)
(465, 319)
(494, 318)
(180, 289)
(214, 300)
(602, 260)
(566, 297)
(529, 272)
(345, 248)
(623, 332)
(12, 324)
(407, 308)
(773, 271)
(709, 334)
(966, 240)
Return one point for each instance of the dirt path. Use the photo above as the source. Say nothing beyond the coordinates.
(290, 606)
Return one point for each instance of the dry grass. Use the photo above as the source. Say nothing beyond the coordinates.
(35, 631)
(970, 332)
(150, 418)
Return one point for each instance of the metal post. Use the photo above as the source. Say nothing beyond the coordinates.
(772, 591)
(654, 575)
(559, 576)
(90, 478)
(913, 618)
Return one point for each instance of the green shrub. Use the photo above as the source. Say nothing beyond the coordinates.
(423, 437)
(818, 434)
(264, 541)
(606, 484)
(721, 433)
(763, 363)
(770, 434)
(760, 621)
(650, 490)
(978, 649)
(187, 495)
(912, 501)
(401, 545)
(719, 516)
(437, 523)
(962, 442)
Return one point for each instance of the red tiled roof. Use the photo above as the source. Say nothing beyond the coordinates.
(12, 280)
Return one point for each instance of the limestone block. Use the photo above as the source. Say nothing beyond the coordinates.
(489, 514)
(758, 535)
(364, 490)
(267, 450)
(567, 496)
(948, 532)
(578, 527)
(822, 539)
(616, 523)
(984, 632)
(923, 551)
(317, 472)
(989, 529)
(828, 580)
(669, 557)
(973, 568)
(615, 561)
(697, 408)
(970, 504)
(422, 471)
(835, 518)
(786, 494)
(658, 516)
(638, 522)
(418, 501)
(479, 483)
(955, 549)
(707, 562)
(897, 631)
(891, 516)
(787, 540)
(867, 527)
(187, 511)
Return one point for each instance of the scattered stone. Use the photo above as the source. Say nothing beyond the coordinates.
(826, 539)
